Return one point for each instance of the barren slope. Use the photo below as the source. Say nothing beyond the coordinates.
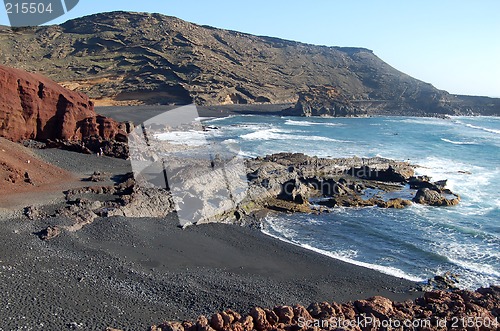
(134, 58)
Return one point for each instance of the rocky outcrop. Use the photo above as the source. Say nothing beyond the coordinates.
(138, 58)
(153, 202)
(122, 199)
(437, 310)
(33, 107)
(433, 193)
(287, 182)
(283, 182)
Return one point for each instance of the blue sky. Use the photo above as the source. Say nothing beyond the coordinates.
(454, 45)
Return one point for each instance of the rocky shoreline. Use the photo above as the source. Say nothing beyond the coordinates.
(109, 200)
(439, 310)
(276, 183)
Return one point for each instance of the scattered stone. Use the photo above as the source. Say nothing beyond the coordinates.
(447, 281)
(34, 213)
(27, 178)
(49, 233)
(97, 176)
(74, 326)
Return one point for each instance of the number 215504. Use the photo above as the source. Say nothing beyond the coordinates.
(28, 8)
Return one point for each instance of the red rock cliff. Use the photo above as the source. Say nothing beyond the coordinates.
(35, 107)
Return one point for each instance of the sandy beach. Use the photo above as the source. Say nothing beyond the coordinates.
(132, 273)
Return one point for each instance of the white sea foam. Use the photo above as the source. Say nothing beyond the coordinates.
(423, 121)
(458, 142)
(216, 119)
(476, 189)
(308, 123)
(474, 180)
(477, 127)
(189, 138)
(204, 118)
(482, 128)
(345, 257)
(277, 134)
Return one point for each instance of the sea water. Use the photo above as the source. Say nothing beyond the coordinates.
(414, 243)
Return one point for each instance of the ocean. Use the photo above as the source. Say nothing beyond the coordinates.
(414, 243)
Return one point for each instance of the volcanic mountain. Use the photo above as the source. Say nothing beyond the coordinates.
(140, 58)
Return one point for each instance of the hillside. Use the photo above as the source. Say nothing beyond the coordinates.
(138, 58)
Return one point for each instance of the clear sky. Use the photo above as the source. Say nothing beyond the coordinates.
(452, 44)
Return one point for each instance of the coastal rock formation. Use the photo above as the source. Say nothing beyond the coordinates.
(33, 107)
(122, 199)
(137, 58)
(433, 193)
(324, 101)
(286, 182)
(437, 310)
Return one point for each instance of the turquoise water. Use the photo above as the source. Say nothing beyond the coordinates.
(415, 243)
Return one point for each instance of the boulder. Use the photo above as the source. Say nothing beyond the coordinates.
(447, 281)
(35, 107)
(217, 322)
(321, 310)
(285, 314)
(260, 319)
(294, 190)
(396, 203)
(431, 197)
(377, 306)
(49, 233)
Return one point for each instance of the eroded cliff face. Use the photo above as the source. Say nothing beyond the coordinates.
(138, 58)
(35, 107)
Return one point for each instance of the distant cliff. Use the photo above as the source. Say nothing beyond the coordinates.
(137, 58)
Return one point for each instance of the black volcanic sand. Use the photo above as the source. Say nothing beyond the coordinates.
(131, 273)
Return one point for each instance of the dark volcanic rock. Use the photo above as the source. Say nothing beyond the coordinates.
(435, 198)
(397, 203)
(134, 58)
(286, 182)
(49, 233)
